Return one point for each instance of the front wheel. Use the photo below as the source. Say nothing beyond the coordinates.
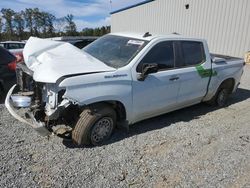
(95, 125)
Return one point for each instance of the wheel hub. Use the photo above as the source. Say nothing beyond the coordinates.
(102, 129)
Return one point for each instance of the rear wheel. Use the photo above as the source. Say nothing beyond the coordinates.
(95, 125)
(222, 97)
(222, 94)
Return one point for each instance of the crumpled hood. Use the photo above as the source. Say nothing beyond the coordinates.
(51, 60)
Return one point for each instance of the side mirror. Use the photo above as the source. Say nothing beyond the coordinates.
(146, 70)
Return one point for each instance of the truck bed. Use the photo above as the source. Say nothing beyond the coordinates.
(224, 57)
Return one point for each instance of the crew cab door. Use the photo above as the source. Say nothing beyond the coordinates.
(195, 64)
(158, 92)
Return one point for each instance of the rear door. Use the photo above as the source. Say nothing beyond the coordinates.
(195, 73)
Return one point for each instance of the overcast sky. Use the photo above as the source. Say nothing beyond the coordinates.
(87, 13)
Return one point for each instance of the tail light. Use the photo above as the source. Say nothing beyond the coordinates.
(12, 66)
(19, 59)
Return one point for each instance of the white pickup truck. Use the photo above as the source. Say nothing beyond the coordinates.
(117, 80)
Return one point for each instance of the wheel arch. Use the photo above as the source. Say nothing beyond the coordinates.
(118, 106)
(228, 83)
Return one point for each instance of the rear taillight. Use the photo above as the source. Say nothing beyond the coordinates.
(12, 66)
(19, 59)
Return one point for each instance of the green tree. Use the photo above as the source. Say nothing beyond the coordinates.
(37, 21)
(108, 29)
(50, 19)
(19, 24)
(102, 31)
(28, 16)
(8, 15)
(1, 28)
(41, 23)
(60, 24)
(71, 26)
(88, 32)
(97, 32)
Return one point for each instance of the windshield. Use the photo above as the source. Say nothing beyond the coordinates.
(115, 51)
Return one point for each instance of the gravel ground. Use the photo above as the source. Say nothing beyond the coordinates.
(198, 146)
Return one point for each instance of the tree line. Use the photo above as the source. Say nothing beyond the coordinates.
(34, 22)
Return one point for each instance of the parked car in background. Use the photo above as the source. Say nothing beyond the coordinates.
(7, 69)
(1, 90)
(119, 79)
(81, 43)
(13, 46)
(16, 48)
(77, 41)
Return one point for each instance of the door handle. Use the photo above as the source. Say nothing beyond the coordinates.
(174, 78)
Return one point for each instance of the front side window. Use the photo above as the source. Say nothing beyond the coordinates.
(193, 53)
(115, 51)
(162, 54)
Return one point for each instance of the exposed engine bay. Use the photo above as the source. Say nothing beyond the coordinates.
(44, 103)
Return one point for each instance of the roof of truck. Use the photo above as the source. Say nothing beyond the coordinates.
(150, 36)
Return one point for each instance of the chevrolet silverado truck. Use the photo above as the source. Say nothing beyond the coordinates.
(117, 80)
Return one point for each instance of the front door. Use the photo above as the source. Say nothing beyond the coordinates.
(158, 93)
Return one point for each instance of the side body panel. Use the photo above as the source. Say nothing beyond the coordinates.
(155, 95)
(225, 70)
(99, 87)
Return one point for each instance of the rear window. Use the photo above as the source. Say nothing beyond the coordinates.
(193, 53)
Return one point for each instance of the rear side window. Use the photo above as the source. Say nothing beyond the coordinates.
(21, 45)
(161, 54)
(193, 53)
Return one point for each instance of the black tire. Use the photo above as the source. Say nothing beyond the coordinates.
(93, 121)
(1, 96)
(221, 96)
(1, 93)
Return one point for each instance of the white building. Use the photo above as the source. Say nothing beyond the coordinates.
(224, 23)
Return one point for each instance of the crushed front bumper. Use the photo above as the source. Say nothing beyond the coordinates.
(30, 120)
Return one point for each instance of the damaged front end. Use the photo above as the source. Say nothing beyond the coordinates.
(40, 105)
